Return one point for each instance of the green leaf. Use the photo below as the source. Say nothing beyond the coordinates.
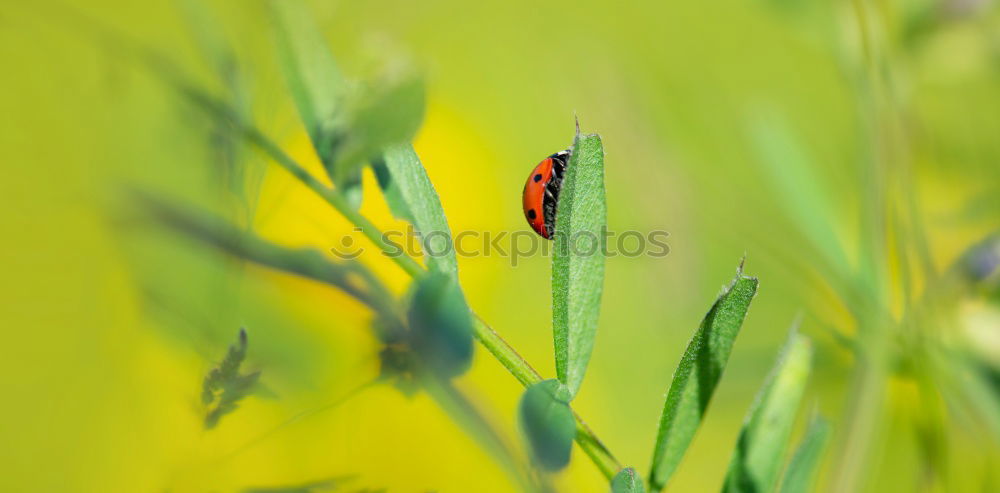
(578, 263)
(388, 114)
(697, 375)
(802, 469)
(548, 423)
(390, 190)
(317, 87)
(412, 196)
(627, 481)
(440, 324)
(760, 449)
(310, 71)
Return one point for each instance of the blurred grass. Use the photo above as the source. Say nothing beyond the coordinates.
(669, 87)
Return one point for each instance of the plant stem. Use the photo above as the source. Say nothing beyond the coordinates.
(333, 198)
(598, 453)
(875, 324)
(524, 373)
(504, 353)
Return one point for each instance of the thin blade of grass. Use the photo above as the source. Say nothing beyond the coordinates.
(627, 481)
(578, 263)
(697, 376)
(419, 201)
(760, 448)
(802, 469)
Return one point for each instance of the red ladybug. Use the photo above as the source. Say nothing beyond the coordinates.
(541, 193)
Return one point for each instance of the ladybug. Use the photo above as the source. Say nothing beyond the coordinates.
(541, 193)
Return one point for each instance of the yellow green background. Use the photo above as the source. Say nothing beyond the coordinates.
(101, 387)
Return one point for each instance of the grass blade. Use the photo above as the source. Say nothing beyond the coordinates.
(802, 469)
(760, 449)
(697, 375)
(419, 201)
(578, 263)
(548, 423)
(627, 481)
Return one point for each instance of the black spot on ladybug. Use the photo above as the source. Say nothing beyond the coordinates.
(538, 178)
(532, 214)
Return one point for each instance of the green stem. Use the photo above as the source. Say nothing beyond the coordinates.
(504, 353)
(462, 411)
(598, 453)
(524, 373)
(334, 198)
(875, 325)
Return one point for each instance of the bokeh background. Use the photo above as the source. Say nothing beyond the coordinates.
(758, 128)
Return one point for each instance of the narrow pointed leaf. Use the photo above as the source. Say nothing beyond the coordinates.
(548, 423)
(440, 325)
(312, 74)
(627, 481)
(697, 376)
(317, 87)
(409, 182)
(802, 469)
(390, 113)
(760, 448)
(578, 263)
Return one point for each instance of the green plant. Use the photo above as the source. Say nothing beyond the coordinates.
(427, 335)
